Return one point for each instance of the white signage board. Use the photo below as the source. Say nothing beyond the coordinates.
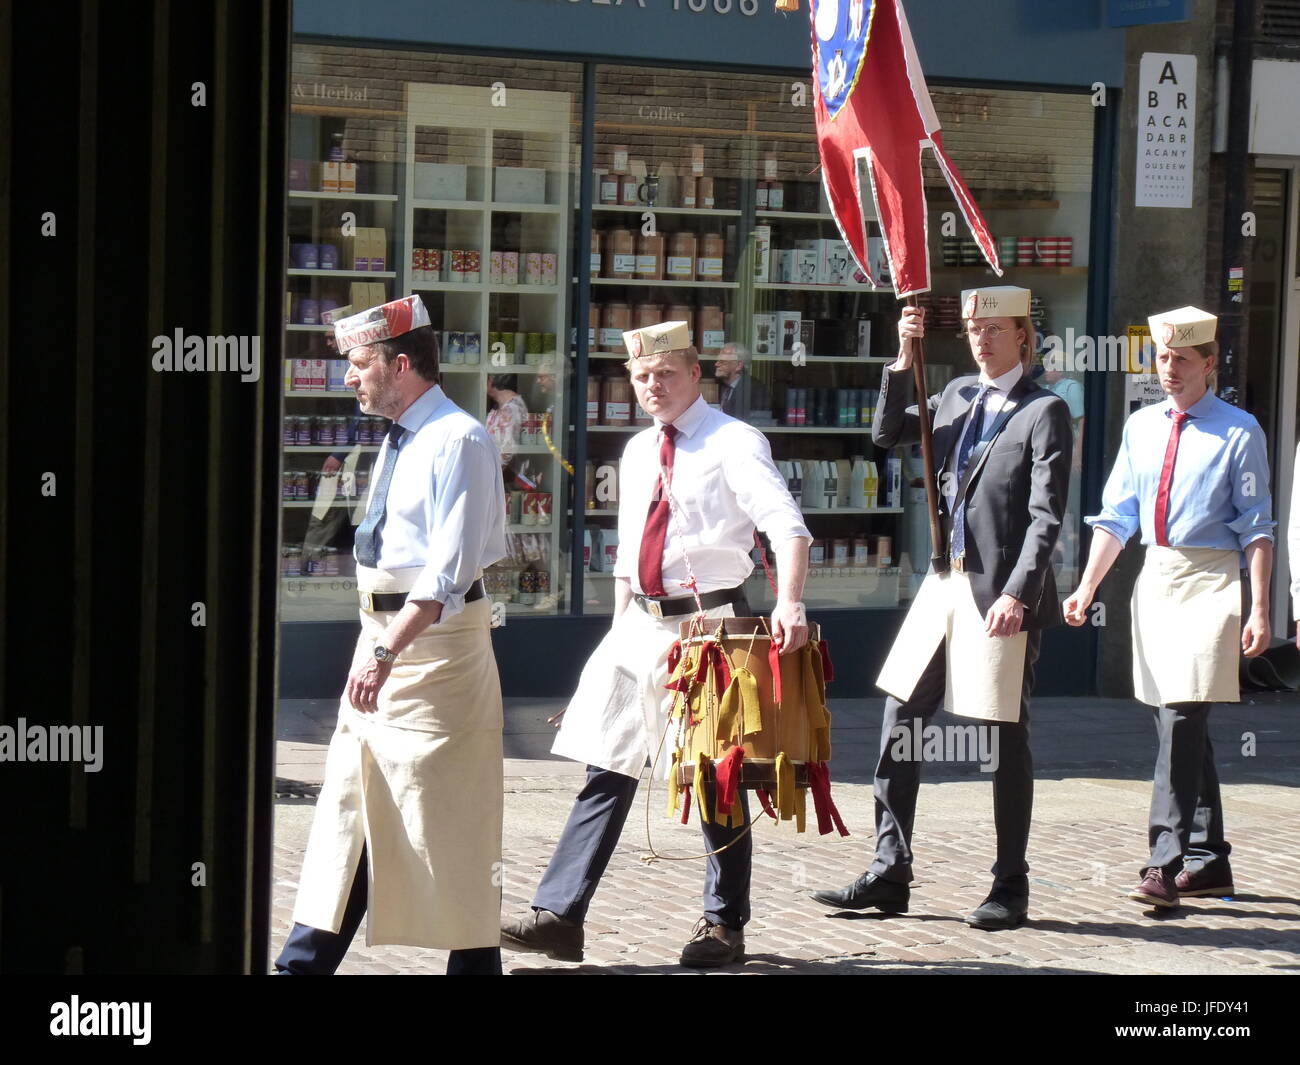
(1166, 130)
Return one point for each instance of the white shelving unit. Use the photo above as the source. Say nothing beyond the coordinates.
(457, 124)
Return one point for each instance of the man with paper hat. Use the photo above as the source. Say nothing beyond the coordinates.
(407, 829)
(970, 640)
(694, 486)
(1192, 478)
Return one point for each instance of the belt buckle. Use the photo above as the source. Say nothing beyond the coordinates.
(655, 609)
(367, 602)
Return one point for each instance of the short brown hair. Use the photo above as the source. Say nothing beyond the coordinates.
(419, 345)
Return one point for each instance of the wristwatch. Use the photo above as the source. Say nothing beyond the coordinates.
(383, 654)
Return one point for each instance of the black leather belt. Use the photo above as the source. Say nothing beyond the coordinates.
(379, 601)
(671, 608)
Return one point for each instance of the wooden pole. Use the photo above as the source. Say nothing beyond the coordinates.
(938, 555)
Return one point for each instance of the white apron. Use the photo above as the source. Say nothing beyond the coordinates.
(1187, 626)
(419, 782)
(985, 673)
(619, 713)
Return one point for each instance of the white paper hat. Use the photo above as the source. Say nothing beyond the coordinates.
(657, 339)
(384, 322)
(996, 301)
(1183, 328)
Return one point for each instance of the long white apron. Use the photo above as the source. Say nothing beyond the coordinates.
(419, 782)
(985, 674)
(1187, 626)
(619, 714)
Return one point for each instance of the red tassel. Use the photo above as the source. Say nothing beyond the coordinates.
(828, 670)
(711, 655)
(675, 656)
(686, 805)
(727, 777)
(819, 782)
(774, 664)
(766, 802)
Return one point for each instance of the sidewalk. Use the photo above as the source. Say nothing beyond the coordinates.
(1093, 769)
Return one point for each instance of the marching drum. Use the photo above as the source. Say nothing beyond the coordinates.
(744, 716)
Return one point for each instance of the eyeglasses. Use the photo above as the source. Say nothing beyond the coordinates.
(992, 331)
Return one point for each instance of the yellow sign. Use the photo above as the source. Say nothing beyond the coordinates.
(1141, 352)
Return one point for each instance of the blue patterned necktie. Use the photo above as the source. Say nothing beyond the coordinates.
(974, 430)
(367, 539)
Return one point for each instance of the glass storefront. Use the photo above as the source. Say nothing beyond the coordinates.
(706, 205)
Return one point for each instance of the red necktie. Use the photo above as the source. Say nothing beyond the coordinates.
(650, 562)
(1166, 479)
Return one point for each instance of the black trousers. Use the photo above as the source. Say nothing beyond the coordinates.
(1186, 821)
(592, 832)
(898, 778)
(318, 952)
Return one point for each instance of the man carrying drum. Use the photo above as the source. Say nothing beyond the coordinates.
(1192, 475)
(721, 484)
(970, 640)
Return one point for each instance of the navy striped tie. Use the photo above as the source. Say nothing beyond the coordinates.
(974, 430)
(367, 540)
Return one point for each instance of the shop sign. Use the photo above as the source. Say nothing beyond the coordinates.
(1144, 12)
(337, 92)
(1166, 130)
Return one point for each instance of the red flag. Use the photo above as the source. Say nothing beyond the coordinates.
(874, 118)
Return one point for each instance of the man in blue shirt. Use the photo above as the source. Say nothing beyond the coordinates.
(1192, 475)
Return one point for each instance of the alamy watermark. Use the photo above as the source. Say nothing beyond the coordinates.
(208, 354)
(915, 741)
(53, 743)
(1078, 353)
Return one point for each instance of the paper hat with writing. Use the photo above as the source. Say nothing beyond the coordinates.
(384, 322)
(1183, 328)
(657, 339)
(996, 301)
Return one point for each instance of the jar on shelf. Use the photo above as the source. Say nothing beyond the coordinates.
(688, 186)
(593, 326)
(710, 329)
(615, 320)
(704, 194)
(680, 264)
(682, 312)
(708, 267)
(616, 402)
(597, 250)
(650, 257)
(644, 314)
(619, 257)
(593, 399)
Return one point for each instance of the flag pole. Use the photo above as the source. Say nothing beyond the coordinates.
(938, 559)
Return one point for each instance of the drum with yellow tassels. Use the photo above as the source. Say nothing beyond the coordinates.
(744, 716)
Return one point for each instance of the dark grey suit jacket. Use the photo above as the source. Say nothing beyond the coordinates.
(1015, 487)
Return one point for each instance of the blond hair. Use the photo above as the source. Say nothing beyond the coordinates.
(1031, 336)
(689, 356)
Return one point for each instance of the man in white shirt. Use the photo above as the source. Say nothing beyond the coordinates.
(408, 823)
(721, 485)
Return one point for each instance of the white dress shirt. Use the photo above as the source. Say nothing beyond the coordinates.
(724, 484)
(446, 505)
(993, 404)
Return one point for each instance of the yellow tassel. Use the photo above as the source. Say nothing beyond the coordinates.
(753, 711)
(785, 789)
(674, 785)
(701, 791)
(727, 711)
(800, 809)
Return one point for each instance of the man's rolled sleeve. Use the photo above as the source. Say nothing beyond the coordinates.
(1121, 509)
(1251, 496)
(466, 499)
(760, 489)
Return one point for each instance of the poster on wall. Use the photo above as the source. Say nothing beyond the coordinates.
(1166, 130)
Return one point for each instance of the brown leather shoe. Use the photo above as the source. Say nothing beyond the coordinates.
(1210, 881)
(712, 945)
(543, 932)
(1157, 889)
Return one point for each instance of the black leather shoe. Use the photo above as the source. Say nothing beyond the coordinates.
(1006, 907)
(543, 932)
(868, 892)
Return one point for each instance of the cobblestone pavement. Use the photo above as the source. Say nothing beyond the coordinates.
(1085, 851)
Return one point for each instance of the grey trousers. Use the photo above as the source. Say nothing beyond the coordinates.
(898, 780)
(1186, 822)
(592, 832)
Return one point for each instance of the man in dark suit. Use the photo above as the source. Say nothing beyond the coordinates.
(1003, 446)
(740, 392)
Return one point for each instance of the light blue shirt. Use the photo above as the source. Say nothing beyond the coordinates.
(1219, 496)
(446, 506)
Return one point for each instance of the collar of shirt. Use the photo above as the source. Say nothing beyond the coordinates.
(422, 409)
(1007, 381)
(690, 419)
(1202, 408)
